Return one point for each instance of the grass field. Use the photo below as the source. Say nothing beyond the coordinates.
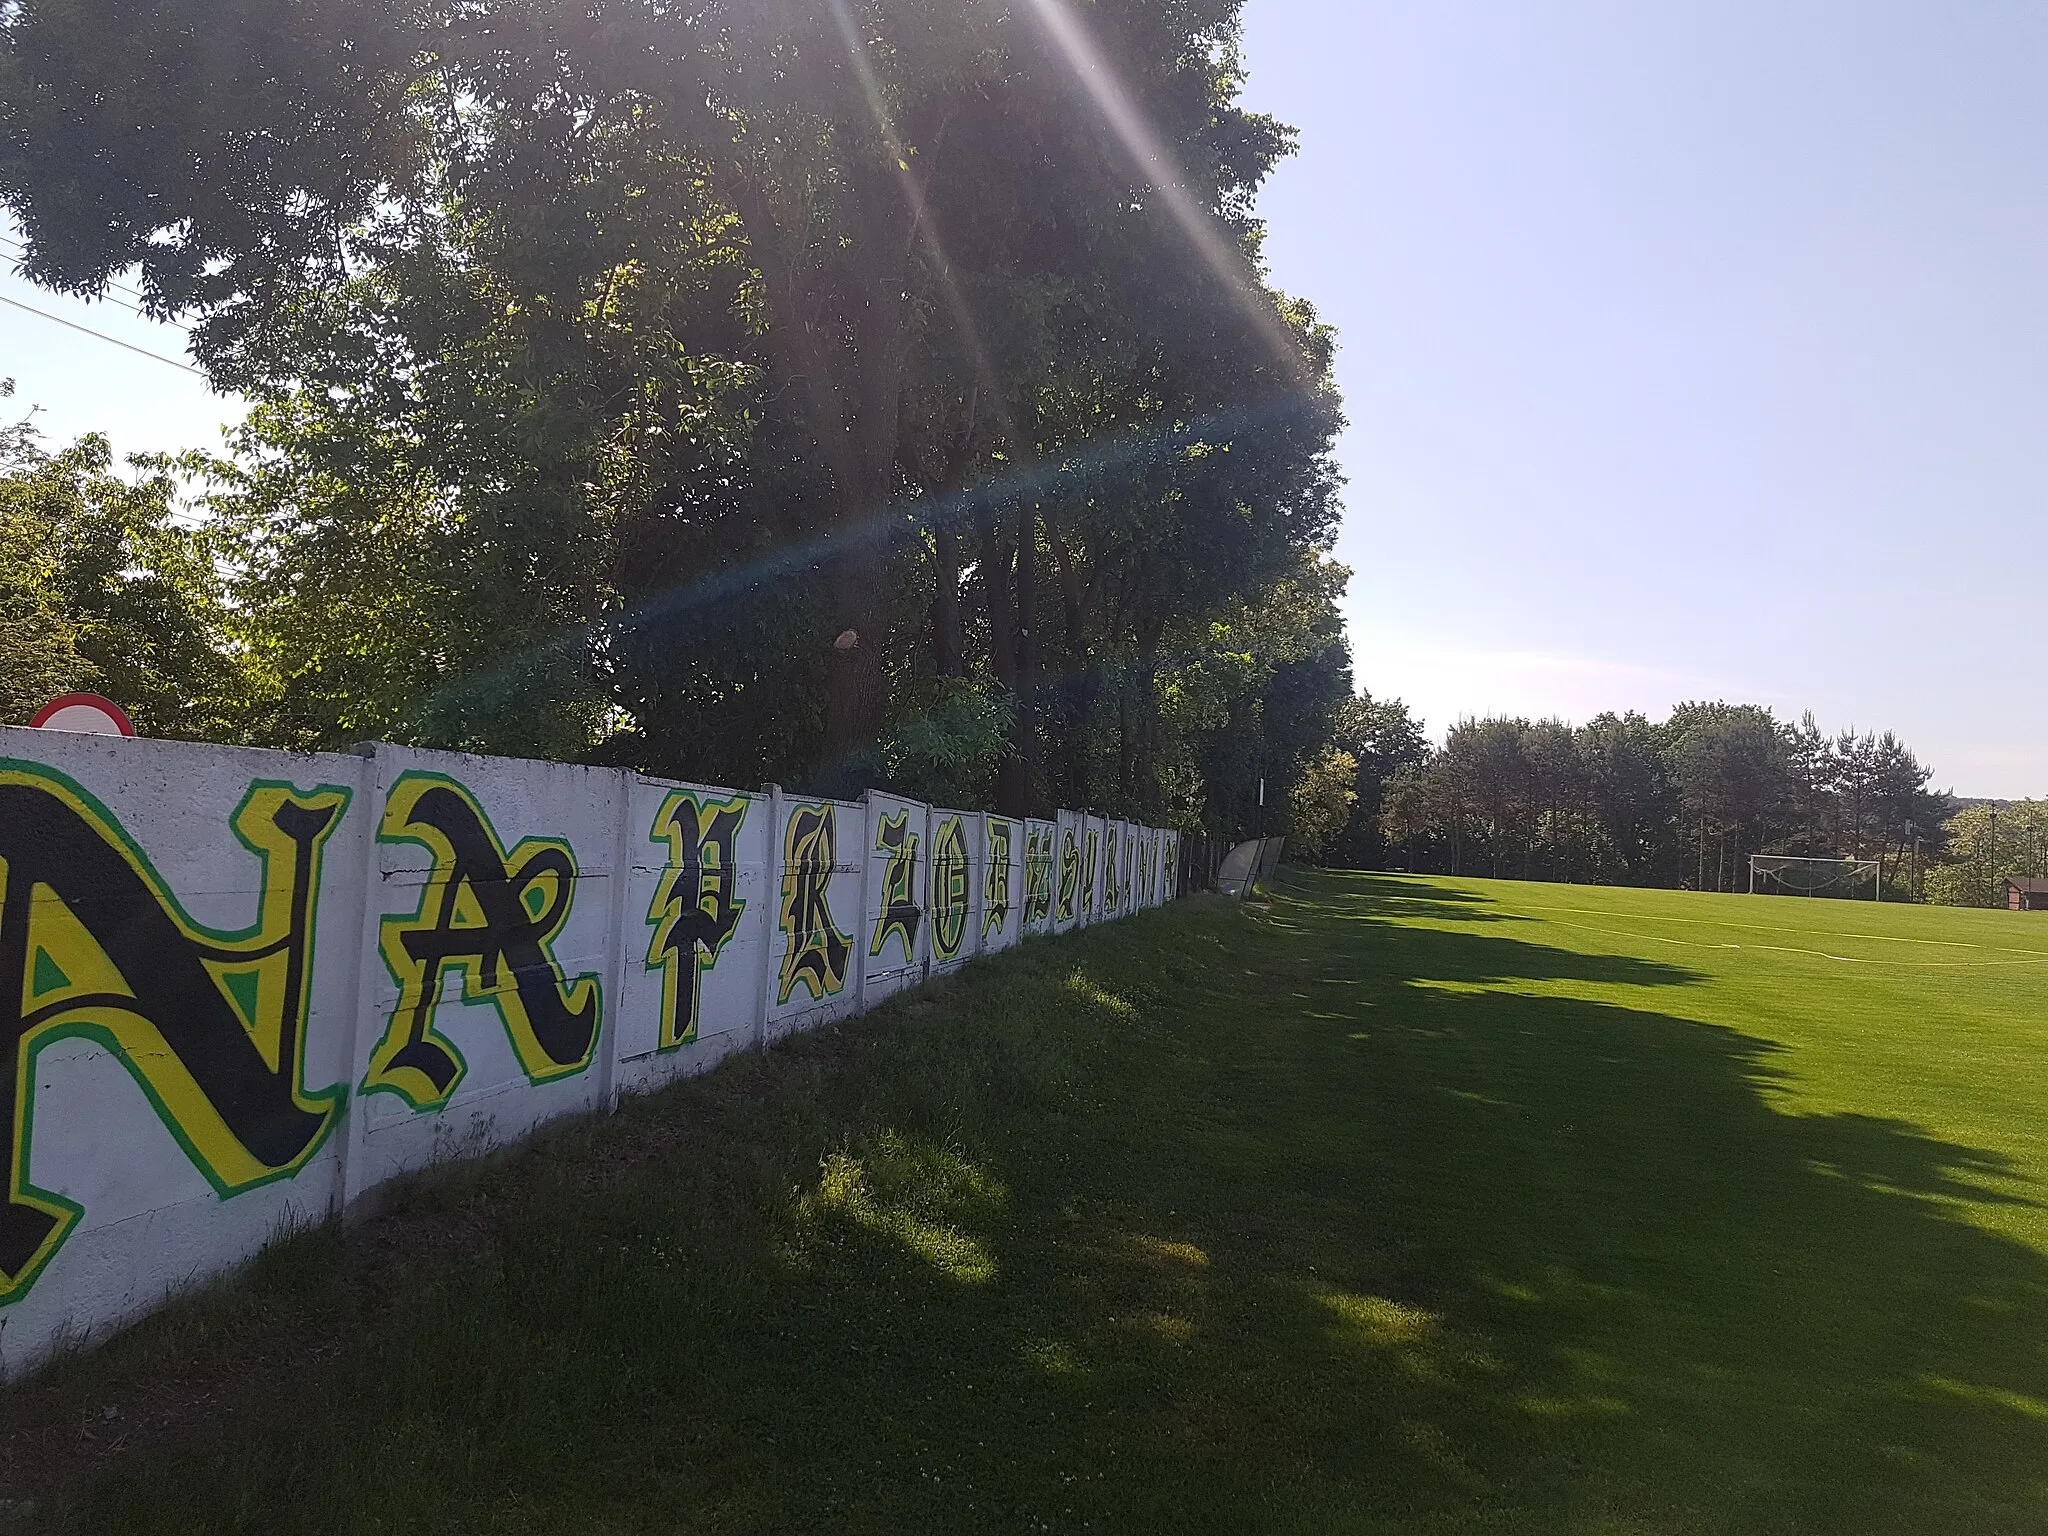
(1407, 1205)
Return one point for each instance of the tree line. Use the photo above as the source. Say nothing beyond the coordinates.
(1625, 800)
(838, 392)
(1990, 842)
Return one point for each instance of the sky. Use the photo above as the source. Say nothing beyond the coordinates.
(1691, 350)
(79, 384)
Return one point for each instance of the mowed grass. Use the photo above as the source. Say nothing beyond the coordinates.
(1407, 1205)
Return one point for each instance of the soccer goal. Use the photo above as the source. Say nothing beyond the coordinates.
(1784, 874)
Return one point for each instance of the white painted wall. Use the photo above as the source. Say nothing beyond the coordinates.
(489, 944)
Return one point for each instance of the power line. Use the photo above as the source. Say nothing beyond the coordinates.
(19, 252)
(102, 335)
(109, 299)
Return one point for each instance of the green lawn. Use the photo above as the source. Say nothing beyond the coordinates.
(1409, 1205)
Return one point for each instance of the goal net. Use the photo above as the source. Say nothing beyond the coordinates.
(1783, 874)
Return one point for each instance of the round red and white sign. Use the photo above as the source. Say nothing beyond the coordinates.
(83, 712)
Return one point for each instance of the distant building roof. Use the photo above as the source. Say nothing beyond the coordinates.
(2027, 884)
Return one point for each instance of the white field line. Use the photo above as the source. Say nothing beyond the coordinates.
(1720, 922)
(2033, 957)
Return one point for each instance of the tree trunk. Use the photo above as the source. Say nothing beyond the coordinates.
(1081, 684)
(847, 365)
(857, 698)
(1017, 783)
(947, 660)
(996, 560)
(1145, 757)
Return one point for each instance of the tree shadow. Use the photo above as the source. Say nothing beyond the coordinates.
(1633, 1281)
(1207, 1222)
(1410, 896)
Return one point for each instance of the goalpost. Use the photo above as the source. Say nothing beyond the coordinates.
(1791, 875)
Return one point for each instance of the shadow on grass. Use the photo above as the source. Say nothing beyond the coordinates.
(1409, 896)
(1208, 1222)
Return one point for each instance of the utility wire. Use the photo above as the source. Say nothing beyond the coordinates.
(102, 335)
(11, 247)
(126, 308)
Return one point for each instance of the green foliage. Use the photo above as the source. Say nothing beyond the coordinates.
(1256, 694)
(39, 656)
(948, 747)
(102, 588)
(1986, 845)
(374, 607)
(611, 367)
(1383, 739)
(1324, 797)
(1621, 800)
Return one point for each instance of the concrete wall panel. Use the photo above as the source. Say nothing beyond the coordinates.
(954, 878)
(1067, 897)
(179, 953)
(894, 931)
(1042, 876)
(819, 943)
(999, 888)
(494, 981)
(248, 987)
(695, 974)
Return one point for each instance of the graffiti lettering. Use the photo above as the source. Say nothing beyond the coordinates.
(1110, 885)
(695, 911)
(949, 888)
(996, 916)
(1094, 844)
(900, 913)
(211, 1025)
(1070, 873)
(494, 917)
(817, 952)
(1038, 862)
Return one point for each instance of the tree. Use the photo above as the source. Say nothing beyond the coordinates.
(1684, 801)
(1489, 762)
(1557, 790)
(1256, 703)
(1631, 796)
(1409, 816)
(1382, 738)
(737, 390)
(1324, 798)
(1986, 844)
(100, 587)
(1882, 799)
(1729, 763)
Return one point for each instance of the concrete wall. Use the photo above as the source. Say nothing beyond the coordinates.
(243, 988)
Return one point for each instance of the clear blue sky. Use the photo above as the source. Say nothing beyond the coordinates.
(1695, 348)
(1692, 349)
